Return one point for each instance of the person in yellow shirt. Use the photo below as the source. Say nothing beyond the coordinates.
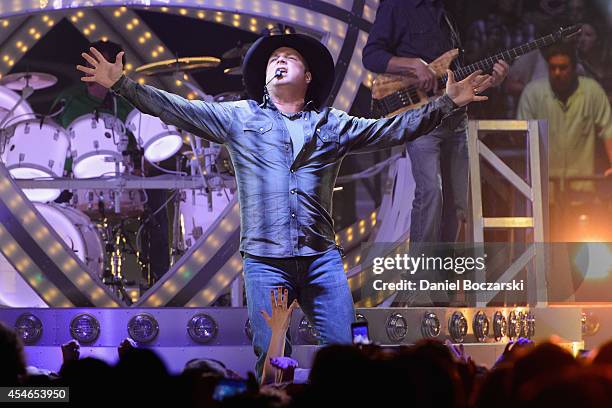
(578, 113)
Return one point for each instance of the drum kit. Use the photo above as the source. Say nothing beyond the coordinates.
(93, 147)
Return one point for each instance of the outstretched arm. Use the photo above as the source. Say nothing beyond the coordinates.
(373, 134)
(205, 119)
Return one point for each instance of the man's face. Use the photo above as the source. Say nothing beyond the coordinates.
(292, 65)
(561, 72)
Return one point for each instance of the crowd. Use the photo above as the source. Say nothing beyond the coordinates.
(427, 374)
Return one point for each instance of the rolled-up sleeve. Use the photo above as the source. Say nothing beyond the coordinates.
(361, 135)
(384, 37)
(209, 120)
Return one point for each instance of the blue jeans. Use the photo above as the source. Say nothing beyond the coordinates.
(440, 170)
(320, 286)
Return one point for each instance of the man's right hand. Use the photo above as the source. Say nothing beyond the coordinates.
(425, 75)
(101, 71)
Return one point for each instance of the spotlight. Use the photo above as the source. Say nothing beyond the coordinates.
(307, 331)
(397, 328)
(481, 326)
(29, 328)
(590, 324)
(430, 325)
(457, 327)
(202, 328)
(500, 326)
(143, 328)
(84, 328)
(514, 326)
(248, 330)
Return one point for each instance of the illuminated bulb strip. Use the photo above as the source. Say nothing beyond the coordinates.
(224, 277)
(28, 270)
(183, 272)
(24, 37)
(141, 44)
(349, 87)
(48, 242)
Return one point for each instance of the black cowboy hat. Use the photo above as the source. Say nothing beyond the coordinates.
(317, 56)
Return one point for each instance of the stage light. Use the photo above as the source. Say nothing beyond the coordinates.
(307, 331)
(457, 327)
(84, 328)
(29, 328)
(143, 328)
(202, 328)
(248, 330)
(500, 326)
(590, 324)
(430, 325)
(480, 325)
(396, 327)
(514, 327)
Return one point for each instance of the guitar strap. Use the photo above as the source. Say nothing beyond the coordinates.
(455, 39)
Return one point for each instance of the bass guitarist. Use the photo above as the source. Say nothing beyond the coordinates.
(406, 36)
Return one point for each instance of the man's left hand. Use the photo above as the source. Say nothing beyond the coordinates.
(500, 71)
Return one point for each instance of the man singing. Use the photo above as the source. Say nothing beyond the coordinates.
(286, 147)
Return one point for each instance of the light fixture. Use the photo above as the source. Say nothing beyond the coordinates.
(84, 328)
(457, 327)
(202, 328)
(397, 327)
(143, 328)
(307, 331)
(360, 318)
(500, 326)
(514, 327)
(430, 325)
(29, 328)
(480, 325)
(590, 324)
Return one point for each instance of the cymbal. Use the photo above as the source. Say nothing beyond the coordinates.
(37, 80)
(178, 64)
(235, 71)
(237, 52)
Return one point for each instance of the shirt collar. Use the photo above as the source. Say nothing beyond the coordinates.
(267, 103)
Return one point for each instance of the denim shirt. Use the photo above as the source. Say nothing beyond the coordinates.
(285, 204)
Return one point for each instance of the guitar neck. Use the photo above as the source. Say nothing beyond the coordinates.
(486, 65)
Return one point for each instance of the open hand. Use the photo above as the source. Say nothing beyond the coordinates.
(281, 314)
(467, 90)
(101, 70)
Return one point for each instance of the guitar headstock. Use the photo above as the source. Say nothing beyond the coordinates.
(565, 33)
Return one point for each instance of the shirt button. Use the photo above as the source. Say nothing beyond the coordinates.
(293, 171)
(292, 191)
(261, 129)
(292, 215)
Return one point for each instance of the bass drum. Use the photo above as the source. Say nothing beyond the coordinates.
(36, 149)
(196, 215)
(79, 234)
